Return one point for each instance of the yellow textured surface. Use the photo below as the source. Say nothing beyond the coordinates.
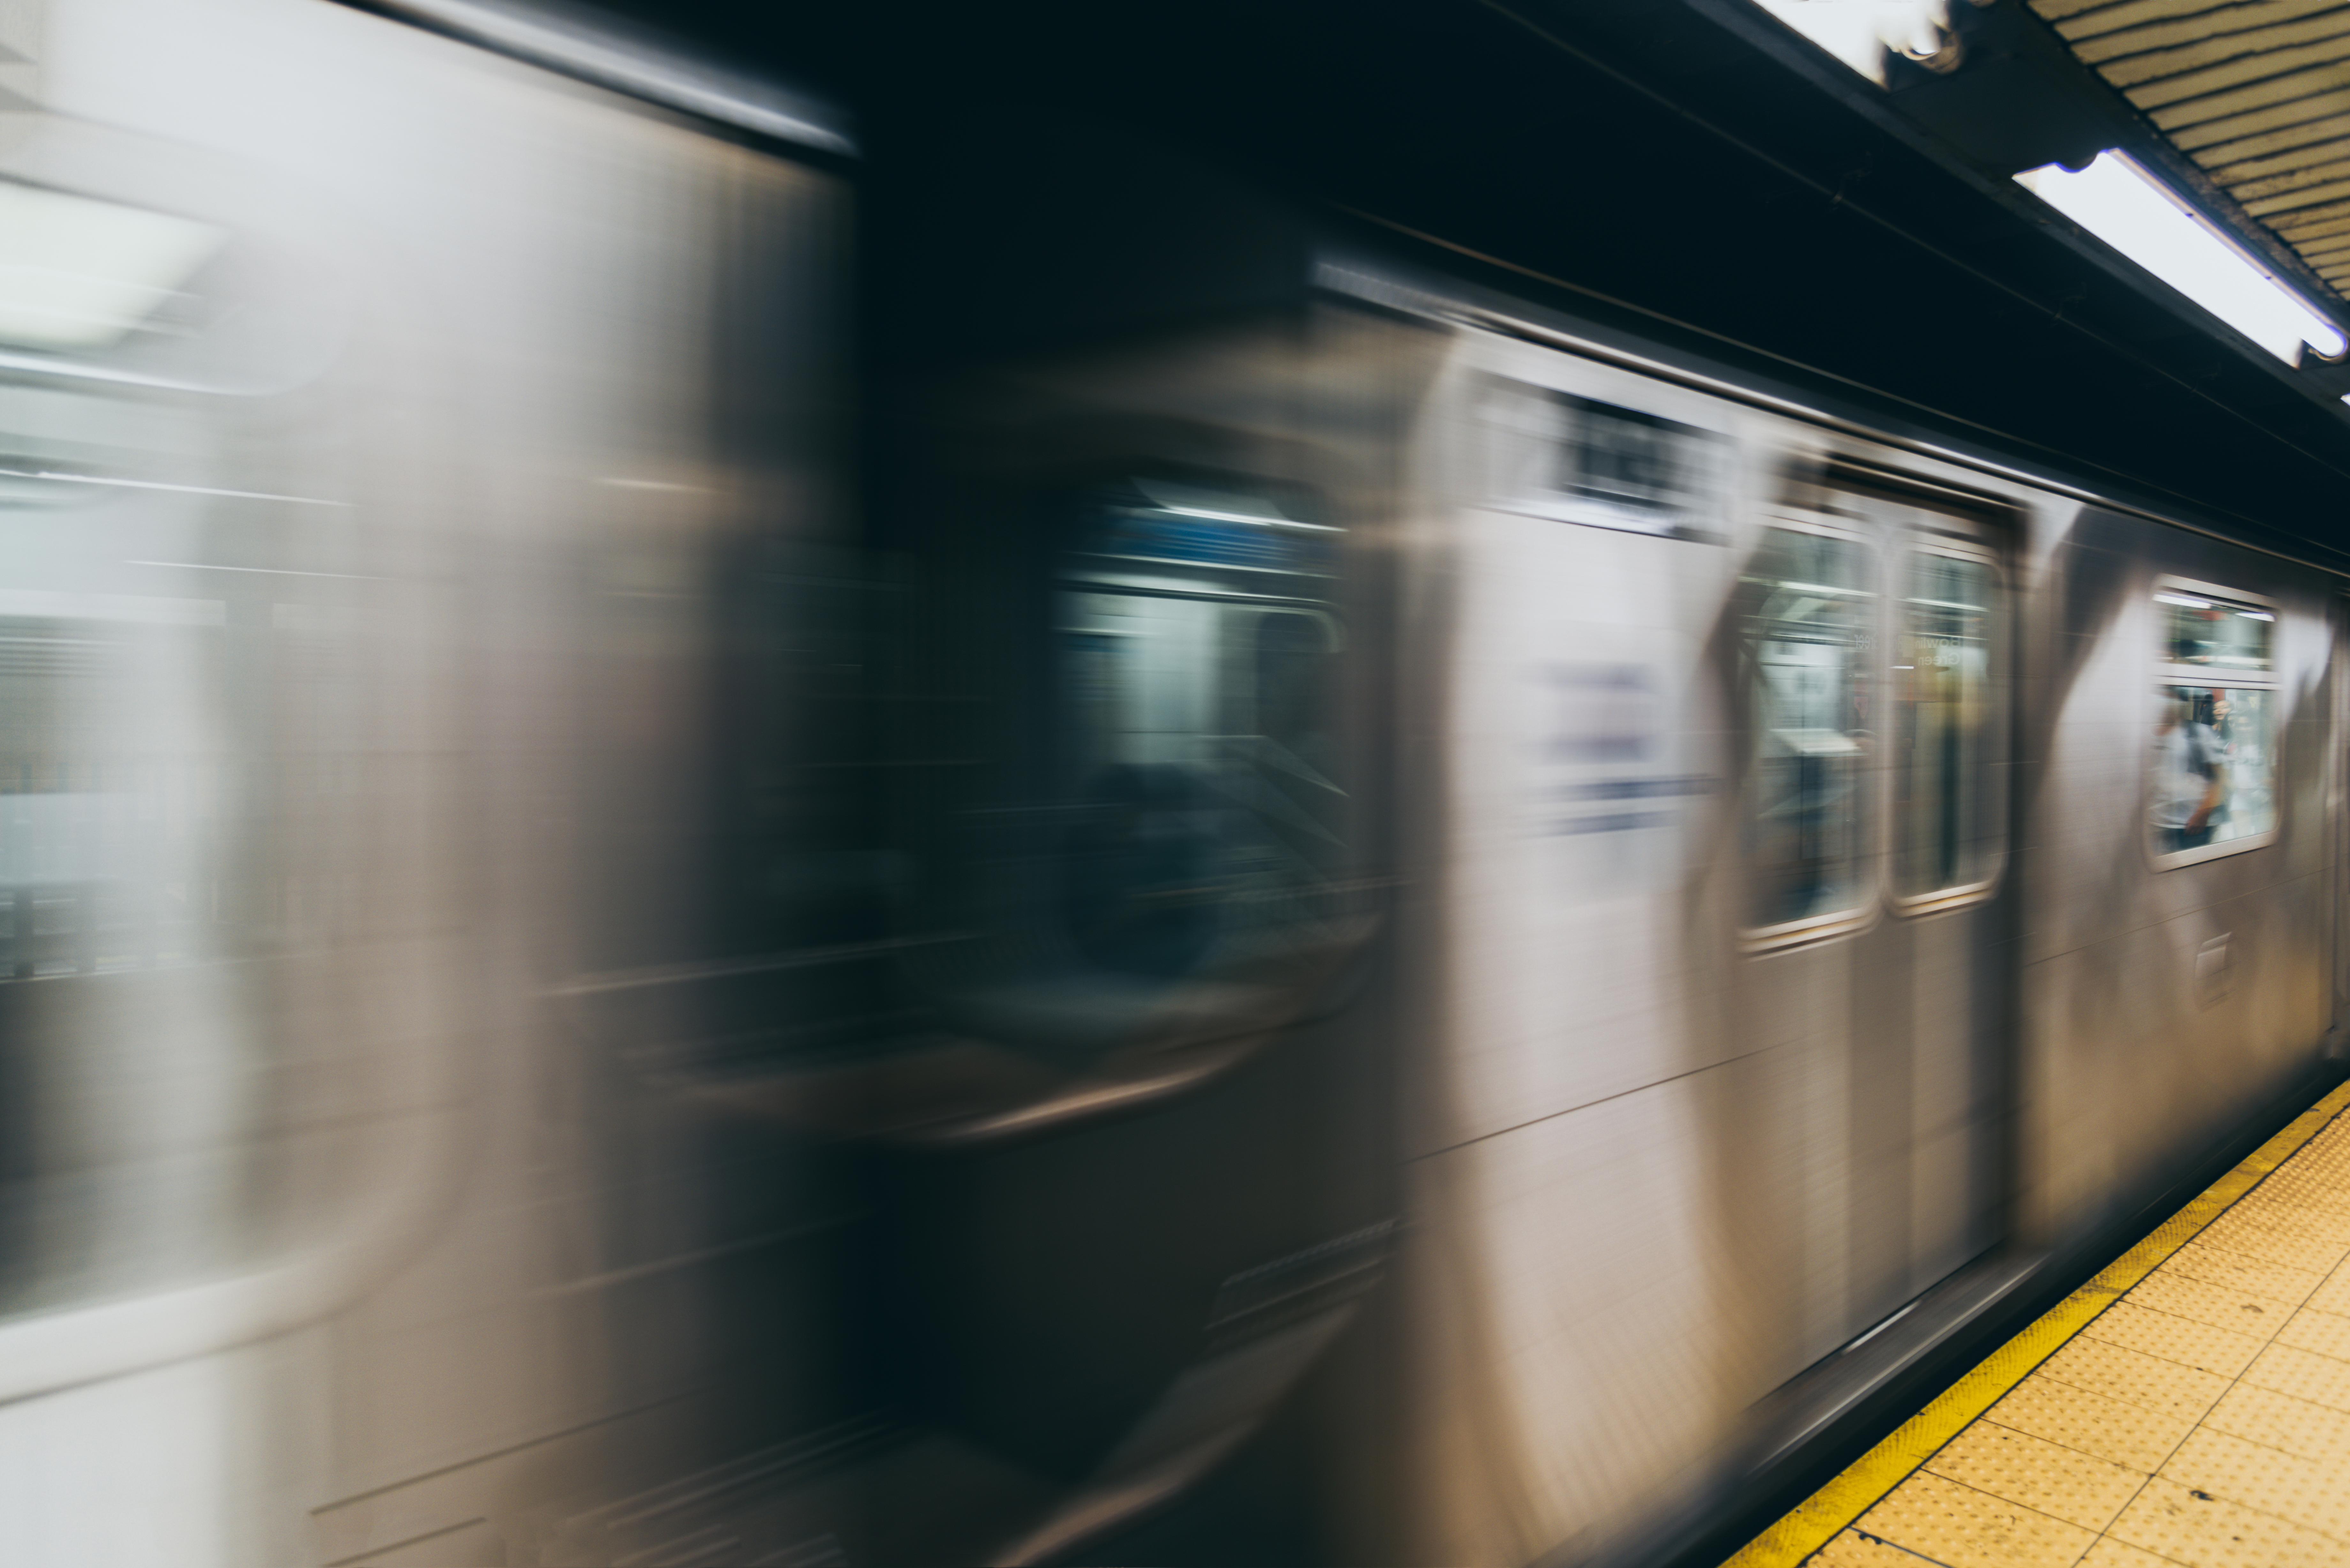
(2064, 1483)
(2334, 1295)
(2168, 1336)
(2238, 1310)
(2189, 1407)
(1853, 1549)
(1963, 1528)
(2111, 1554)
(2281, 1422)
(2108, 1428)
(2281, 1243)
(2302, 1490)
(2203, 1531)
(2302, 1374)
(2135, 1377)
(2236, 1270)
(2322, 1332)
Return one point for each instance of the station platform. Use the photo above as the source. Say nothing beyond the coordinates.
(2189, 1405)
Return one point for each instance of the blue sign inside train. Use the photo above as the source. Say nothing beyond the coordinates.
(1215, 542)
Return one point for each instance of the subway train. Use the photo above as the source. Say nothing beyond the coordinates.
(1283, 900)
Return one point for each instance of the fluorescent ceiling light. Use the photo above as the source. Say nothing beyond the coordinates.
(1860, 32)
(2136, 214)
(2182, 600)
(2256, 615)
(78, 273)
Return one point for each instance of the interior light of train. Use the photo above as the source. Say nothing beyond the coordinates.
(2190, 602)
(53, 476)
(2256, 615)
(665, 486)
(263, 571)
(1252, 522)
(79, 273)
(1221, 506)
(2116, 199)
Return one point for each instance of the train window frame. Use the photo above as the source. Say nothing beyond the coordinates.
(2166, 672)
(1964, 539)
(1961, 525)
(1869, 883)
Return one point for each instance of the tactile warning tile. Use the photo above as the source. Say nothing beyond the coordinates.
(1963, 1528)
(2322, 1332)
(2111, 1554)
(2304, 1203)
(2303, 1373)
(2312, 1190)
(2202, 1420)
(2334, 1295)
(2137, 1377)
(2280, 1421)
(2097, 1423)
(2302, 1490)
(2170, 1337)
(2222, 1306)
(2281, 1214)
(2243, 1271)
(2201, 1531)
(1851, 1548)
(2272, 1240)
(2049, 1478)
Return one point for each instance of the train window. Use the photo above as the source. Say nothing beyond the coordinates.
(1946, 820)
(1809, 627)
(2208, 634)
(81, 274)
(1175, 859)
(2212, 777)
(1196, 724)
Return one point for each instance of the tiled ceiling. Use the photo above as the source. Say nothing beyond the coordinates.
(2256, 93)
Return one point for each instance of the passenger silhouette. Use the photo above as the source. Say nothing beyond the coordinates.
(2190, 777)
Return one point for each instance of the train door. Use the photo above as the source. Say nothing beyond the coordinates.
(1062, 935)
(1200, 838)
(1871, 674)
(2337, 1037)
(1150, 887)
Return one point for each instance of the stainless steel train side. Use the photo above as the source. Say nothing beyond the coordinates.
(1368, 885)
(704, 1031)
(1797, 948)
(359, 514)
(1743, 760)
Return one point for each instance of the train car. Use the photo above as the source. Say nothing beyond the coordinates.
(1865, 870)
(375, 403)
(1814, 933)
(1026, 856)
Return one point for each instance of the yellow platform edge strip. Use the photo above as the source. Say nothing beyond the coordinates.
(1860, 1487)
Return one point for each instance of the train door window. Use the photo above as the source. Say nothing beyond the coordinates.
(1809, 632)
(1196, 717)
(1946, 817)
(2212, 774)
(1187, 867)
